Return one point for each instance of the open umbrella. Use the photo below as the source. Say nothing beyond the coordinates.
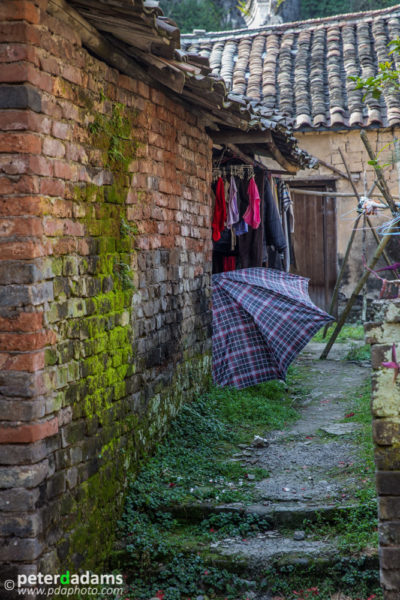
(262, 318)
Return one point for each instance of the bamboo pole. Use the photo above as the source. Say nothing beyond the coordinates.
(341, 272)
(381, 180)
(358, 288)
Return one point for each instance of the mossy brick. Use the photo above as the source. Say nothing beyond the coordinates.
(57, 312)
(70, 266)
(76, 308)
(50, 356)
(93, 286)
(78, 287)
(61, 287)
(73, 329)
(54, 402)
(56, 485)
(107, 244)
(73, 433)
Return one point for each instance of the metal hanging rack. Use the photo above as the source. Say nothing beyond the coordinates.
(241, 171)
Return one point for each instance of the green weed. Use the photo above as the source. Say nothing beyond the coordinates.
(348, 332)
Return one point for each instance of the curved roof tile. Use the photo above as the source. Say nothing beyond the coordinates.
(302, 69)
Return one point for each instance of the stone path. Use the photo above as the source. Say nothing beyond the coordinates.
(306, 464)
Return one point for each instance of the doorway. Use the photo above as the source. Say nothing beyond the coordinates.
(315, 237)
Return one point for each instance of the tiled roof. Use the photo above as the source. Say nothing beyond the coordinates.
(150, 43)
(302, 69)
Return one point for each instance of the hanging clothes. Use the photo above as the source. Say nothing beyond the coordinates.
(229, 263)
(274, 236)
(250, 244)
(285, 203)
(252, 214)
(219, 217)
(233, 211)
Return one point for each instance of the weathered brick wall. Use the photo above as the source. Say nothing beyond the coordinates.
(104, 295)
(325, 145)
(386, 430)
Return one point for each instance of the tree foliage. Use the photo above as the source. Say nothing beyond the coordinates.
(315, 8)
(194, 14)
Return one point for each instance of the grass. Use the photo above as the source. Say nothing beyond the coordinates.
(170, 559)
(347, 333)
(193, 464)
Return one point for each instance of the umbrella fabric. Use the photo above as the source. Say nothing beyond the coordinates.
(262, 318)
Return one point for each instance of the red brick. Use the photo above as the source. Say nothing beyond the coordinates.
(74, 228)
(24, 226)
(17, 164)
(26, 72)
(24, 205)
(20, 32)
(25, 342)
(65, 246)
(52, 187)
(20, 142)
(21, 250)
(53, 147)
(27, 361)
(50, 64)
(23, 321)
(17, 52)
(23, 434)
(61, 130)
(53, 227)
(72, 74)
(64, 171)
(19, 11)
(23, 119)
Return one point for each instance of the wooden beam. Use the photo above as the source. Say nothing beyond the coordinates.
(246, 159)
(332, 168)
(93, 40)
(239, 137)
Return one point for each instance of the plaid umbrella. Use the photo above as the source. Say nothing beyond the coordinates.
(262, 318)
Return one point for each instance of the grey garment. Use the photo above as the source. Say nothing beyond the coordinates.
(274, 236)
(273, 230)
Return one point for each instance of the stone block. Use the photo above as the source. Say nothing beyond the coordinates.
(20, 549)
(23, 525)
(18, 500)
(20, 96)
(389, 533)
(388, 483)
(23, 476)
(386, 432)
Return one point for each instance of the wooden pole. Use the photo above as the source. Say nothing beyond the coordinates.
(353, 185)
(384, 253)
(378, 170)
(357, 290)
(341, 273)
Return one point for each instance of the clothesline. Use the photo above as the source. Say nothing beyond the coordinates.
(333, 194)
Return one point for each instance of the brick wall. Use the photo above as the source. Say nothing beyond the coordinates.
(386, 430)
(325, 145)
(104, 295)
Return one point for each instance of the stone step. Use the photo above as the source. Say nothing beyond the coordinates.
(290, 515)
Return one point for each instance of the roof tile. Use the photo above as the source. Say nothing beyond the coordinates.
(303, 69)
